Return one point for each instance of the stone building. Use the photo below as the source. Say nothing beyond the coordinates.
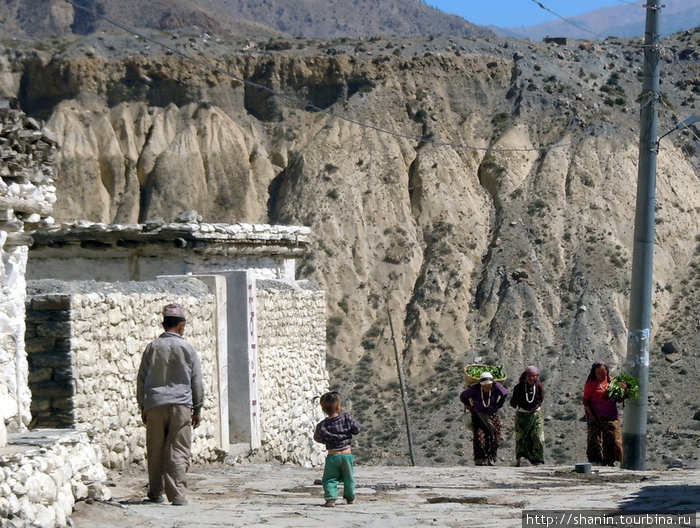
(41, 474)
(265, 331)
(71, 336)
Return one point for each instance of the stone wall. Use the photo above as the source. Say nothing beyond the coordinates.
(110, 324)
(291, 331)
(14, 393)
(40, 482)
(27, 194)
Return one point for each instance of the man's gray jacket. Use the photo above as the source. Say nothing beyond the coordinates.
(170, 373)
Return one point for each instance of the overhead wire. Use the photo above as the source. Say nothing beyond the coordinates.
(679, 119)
(307, 104)
(583, 28)
(577, 26)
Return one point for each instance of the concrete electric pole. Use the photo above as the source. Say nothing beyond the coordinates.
(634, 431)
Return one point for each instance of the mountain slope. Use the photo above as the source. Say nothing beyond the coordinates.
(252, 19)
(626, 20)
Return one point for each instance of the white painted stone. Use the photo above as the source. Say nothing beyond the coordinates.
(65, 499)
(79, 490)
(17, 487)
(61, 517)
(27, 511)
(41, 488)
(24, 472)
(44, 517)
(97, 491)
(14, 503)
(60, 475)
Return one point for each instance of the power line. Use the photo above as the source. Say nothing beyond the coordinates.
(578, 26)
(307, 104)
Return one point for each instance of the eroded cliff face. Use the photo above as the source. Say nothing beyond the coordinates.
(504, 235)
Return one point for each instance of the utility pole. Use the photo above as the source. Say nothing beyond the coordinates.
(399, 368)
(634, 431)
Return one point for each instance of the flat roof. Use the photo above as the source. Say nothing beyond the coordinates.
(203, 237)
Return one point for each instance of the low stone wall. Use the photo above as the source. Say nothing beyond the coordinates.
(42, 475)
(110, 324)
(292, 368)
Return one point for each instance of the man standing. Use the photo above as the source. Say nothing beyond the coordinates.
(170, 395)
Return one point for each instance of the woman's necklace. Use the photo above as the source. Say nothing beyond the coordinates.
(485, 403)
(534, 391)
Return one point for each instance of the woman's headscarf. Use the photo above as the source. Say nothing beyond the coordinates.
(530, 369)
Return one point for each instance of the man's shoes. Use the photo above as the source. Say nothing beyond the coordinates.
(179, 501)
(329, 503)
(153, 498)
(350, 501)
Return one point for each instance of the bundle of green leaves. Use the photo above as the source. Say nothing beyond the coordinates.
(622, 387)
(497, 371)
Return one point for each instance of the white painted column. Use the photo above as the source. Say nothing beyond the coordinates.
(244, 404)
(251, 314)
(217, 284)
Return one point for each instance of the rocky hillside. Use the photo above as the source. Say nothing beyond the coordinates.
(256, 19)
(479, 191)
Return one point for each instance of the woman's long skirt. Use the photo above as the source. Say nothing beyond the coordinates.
(487, 438)
(529, 436)
(604, 442)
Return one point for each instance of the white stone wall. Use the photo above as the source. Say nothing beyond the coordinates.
(292, 371)
(111, 323)
(27, 195)
(15, 397)
(39, 486)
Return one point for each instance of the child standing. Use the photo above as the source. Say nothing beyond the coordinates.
(336, 432)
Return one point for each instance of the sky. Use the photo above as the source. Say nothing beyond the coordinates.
(516, 13)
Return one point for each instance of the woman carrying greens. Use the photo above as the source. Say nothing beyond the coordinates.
(529, 423)
(604, 444)
(483, 399)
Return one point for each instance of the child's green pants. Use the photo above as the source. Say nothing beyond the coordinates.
(339, 467)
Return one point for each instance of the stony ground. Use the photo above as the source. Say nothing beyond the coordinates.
(285, 496)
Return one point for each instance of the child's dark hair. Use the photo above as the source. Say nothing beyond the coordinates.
(330, 402)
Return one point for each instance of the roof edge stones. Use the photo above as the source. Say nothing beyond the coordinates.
(192, 233)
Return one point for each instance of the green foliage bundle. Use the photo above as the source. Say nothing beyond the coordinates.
(622, 387)
(497, 371)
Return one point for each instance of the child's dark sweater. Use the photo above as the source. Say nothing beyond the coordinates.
(336, 432)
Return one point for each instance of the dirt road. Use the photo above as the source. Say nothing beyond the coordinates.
(388, 496)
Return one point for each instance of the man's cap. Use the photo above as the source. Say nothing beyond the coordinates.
(174, 310)
(485, 378)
